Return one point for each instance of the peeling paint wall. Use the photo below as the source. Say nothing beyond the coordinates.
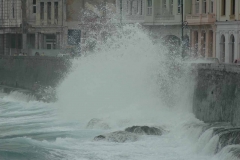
(217, 93)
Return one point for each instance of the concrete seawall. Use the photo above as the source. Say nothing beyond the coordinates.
(217, 93)
(30, 73)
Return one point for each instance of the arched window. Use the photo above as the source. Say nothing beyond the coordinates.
(222, 50)
(231, 49)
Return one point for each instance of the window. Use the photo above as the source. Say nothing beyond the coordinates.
(120, 6)
(195, 41)
(42, 10)
(204, 7)
(13, 10)
(131, 7)
(50, 41)
(141, 7)
(197, 7)
(137, 10)
(232, 7)
(49, 46)
(164, 5)
(127, 6)
(171, 7)
(74, 36)
(149, 5)
(232, 42)
(210, 51)
(49, 10)
(179, 6)
(222, 49)
(56, 10)
(34, 6)
(223, 7)
(211, 5)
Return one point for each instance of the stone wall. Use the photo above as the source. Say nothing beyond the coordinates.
(217, 93)
(30, 73)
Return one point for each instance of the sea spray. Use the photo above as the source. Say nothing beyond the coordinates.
(128, 78)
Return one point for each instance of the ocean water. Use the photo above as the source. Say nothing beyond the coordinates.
(128, 81)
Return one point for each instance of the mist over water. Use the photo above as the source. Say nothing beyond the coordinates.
(127, 79)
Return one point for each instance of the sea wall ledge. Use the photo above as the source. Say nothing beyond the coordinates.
(217, 93)
(32, 72)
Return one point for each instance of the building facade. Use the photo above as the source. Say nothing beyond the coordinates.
(201, 22)
(44, 26)
(228, 30)
(29, 26)
(163, 18)
(10, 30)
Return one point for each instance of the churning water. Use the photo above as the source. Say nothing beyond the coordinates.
(127, 81)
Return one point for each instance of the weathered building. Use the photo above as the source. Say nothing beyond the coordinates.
(201, 22)
(44, 26)
(30, 26)
(163, 18)
(228, 30)
(10, 30)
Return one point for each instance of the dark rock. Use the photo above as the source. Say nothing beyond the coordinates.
(100, 137)
(229, 136)
(145, 130)
(118, 136)
(96, 123)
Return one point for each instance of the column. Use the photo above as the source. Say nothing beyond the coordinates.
(214, 43)
(192, 39)
(60, 12)
(199, 42)
(5, 44)
(200, 6)
(24, 42)
(40, 40)
(218, 50)
(236, 10)
(44, 41)
(193, 7)
(236, 45)
(57, 40)
(168, 5)
(227, 45)
(37, 12)
(36, 40)
(207, 44)
(208, 6)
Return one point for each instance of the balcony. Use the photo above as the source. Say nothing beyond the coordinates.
(164, 14)
(198, 19)
(232, 17)
(164, 17)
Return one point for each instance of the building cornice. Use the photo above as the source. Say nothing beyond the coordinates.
(227, 22)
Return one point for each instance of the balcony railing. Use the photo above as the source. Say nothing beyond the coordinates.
(164, 14)
(195, 19)
(164, 17)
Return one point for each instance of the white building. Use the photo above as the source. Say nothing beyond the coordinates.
(228, 30)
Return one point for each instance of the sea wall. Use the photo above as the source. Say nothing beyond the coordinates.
(32, 72)
(217, 93)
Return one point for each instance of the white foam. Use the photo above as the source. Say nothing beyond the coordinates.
(131, 79)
